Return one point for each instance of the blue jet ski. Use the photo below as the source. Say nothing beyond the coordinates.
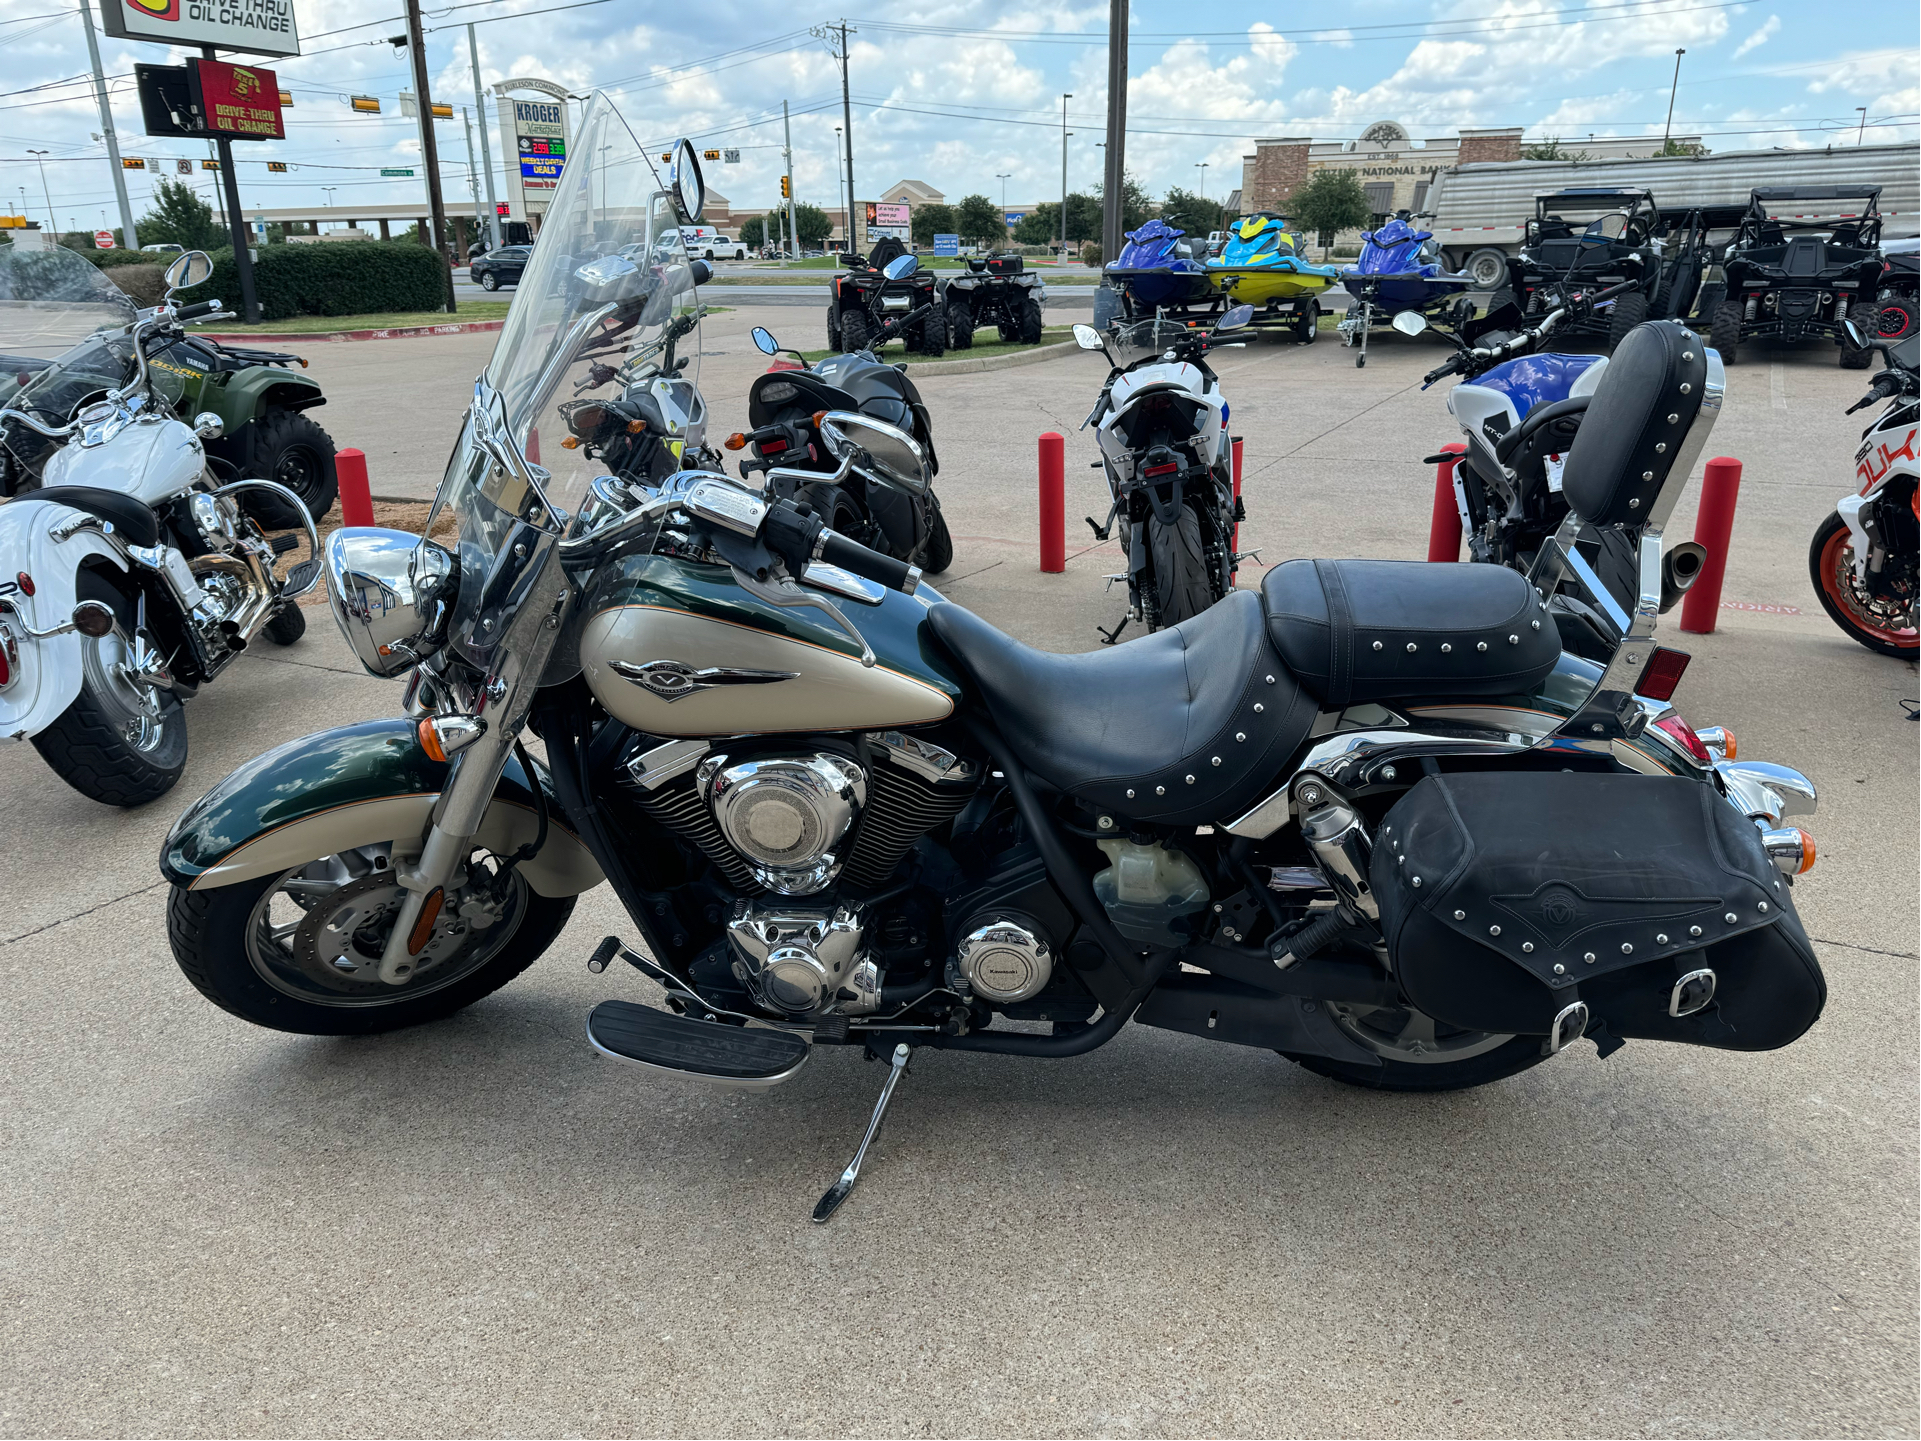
(1399, 269)
(1156, 272)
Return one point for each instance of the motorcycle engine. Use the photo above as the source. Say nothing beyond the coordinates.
(786, 814)
(803, 960)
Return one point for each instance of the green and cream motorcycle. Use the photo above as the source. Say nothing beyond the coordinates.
(1371, 817)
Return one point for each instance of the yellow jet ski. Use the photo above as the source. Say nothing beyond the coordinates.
(1259, 266)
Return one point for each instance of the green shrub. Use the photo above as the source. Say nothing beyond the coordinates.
(1090, 254)
(373, 276)
(144, 284)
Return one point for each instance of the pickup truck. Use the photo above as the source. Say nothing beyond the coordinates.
(703, 242)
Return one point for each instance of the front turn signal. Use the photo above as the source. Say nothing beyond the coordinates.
(736, 441)
(448, 735)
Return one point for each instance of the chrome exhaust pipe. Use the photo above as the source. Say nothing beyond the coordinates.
(1680, 568)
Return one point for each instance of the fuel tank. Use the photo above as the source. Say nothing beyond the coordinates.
(674, 647)
(151, 460)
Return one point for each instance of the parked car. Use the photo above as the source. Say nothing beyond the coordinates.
(500, 267)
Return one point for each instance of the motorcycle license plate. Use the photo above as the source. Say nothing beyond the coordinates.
(1554, 464)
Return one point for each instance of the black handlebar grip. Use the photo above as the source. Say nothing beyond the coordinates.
(851, 555)
(197, 309)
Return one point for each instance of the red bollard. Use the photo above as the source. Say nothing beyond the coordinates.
(1713, 528)
(1444, 525)
(533, 446)
(1053, 503)
(1234, 544)
(356, 500)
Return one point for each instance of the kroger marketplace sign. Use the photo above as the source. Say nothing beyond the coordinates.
(256, 27)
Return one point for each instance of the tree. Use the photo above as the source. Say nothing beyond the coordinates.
(179, 217)
(977, 222)
(1135, 205)
(1552, 149)
(931, 220)
(811, 224)
(1195, 214)
(1330, 202)
(1682, 147)
(1040, 226)
(753, 231)
(1083, 216)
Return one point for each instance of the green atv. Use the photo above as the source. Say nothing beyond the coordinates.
(260, 396)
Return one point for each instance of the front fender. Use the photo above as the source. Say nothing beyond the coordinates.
(46, 675)
(246, 394)
(355, 786)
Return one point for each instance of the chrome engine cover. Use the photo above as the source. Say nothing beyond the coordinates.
(798, 959)
(1006, 960)
(786, 814)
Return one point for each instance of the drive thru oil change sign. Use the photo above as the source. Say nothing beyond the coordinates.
(238, 101)
(535, 133)
(257, 27)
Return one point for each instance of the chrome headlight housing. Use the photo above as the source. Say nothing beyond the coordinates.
(390, 592)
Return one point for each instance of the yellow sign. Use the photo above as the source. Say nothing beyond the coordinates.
(286, 98)
(13, 222)
(364, 104)
(442, 112)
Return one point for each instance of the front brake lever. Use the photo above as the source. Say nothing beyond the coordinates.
(789, 596)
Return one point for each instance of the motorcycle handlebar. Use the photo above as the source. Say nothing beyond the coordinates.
(197, 309)
(836, 549)
(900, 323)
(1884, 388)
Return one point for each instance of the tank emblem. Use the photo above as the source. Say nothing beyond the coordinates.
(672, 679)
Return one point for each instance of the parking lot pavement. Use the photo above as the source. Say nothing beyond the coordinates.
(483, 1227)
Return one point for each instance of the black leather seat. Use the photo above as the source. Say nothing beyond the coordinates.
(1374, 630)
(132, 519)
(1183, 726)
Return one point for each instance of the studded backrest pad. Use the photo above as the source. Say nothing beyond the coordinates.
(1634, 426)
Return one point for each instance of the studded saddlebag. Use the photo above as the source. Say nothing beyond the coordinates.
(1505, 896)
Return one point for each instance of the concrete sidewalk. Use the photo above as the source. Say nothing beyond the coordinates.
(483, 1227)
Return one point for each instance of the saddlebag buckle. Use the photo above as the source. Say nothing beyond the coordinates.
(1693, 992)
(1569, 1026)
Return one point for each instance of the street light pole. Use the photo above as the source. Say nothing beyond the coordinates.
(53, 221)
(1672, 91)
(1065, 132)
(429, 147)
(1003, 180)
(1201, 165)
(1116, 170)
(1861, 134)
(486, 150)
(106, 132)
(846, 205)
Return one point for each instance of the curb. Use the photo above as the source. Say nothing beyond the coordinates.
(332, 337)
(992, 362)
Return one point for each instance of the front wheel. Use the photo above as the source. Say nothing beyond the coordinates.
(1894, 322)
(853, 331)
(291, 449)
(1419, 1053)
(1181, 591)
(300, 950)
(960, 326)
(1724, 332)
(938, 554)
(1877, 623)
(120, 743)
(1629, 311)
(489, 281)
(1030, 321)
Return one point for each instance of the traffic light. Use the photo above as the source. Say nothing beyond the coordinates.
(710, 155)
(786, 188)
(132, 162)
(277, 167)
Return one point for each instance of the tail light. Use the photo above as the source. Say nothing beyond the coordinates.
(26, 583)
(1663, 673)
(7, 657)
(1683, 735)
(774, 446)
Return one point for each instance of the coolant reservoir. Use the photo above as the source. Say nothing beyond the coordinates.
(1151, 893)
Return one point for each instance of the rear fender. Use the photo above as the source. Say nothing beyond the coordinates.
(355, 786)
(46, 672)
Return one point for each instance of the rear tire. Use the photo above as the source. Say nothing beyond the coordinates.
(1629, 311)
(1831, 568)
(116, 743)
(853, 332)
(489, 281)
(933, 334)
(1030, 321)
(1724, 333)
(1510, 1057)
(1852, 359)
(1309, 324)
(1180, 569)
(287, 626)
(960, 326)
(294, 451)
(938, 554)
(1488, 267)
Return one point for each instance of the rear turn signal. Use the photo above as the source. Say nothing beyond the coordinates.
(1662, 674)
(736, 441)
(1720, 740)
(1791, 849)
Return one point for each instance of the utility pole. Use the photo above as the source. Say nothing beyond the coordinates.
(228, 186)
(1116, 173)
(1673, 90)
(840, 184)
(793, 230)
(473, 181)
(53, 221)
(828, 33)
(486, 151)
(1065, 132)
(1862, 133)
(429, 148)
(106, 131)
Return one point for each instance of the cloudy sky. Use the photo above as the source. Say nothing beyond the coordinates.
(961, 92)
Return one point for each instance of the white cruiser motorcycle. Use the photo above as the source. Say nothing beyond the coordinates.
(130, 577)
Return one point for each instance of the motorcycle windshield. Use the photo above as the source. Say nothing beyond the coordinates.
(1144, 339)
(63, 342)
(606, 301)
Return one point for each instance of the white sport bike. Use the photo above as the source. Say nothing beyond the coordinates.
(131, 577)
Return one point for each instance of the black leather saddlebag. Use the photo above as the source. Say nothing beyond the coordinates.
(1506, 896)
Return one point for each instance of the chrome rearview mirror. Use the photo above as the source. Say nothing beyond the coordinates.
(188, 270)
(764, 340)
(1409, 322)
(878, 448)
(389, 591)
(1856, 337)
(1087, 337)
(900, 267)
(1236, 317)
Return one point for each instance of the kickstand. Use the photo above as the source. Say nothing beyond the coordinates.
(842, 1188)
(1108, 637)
